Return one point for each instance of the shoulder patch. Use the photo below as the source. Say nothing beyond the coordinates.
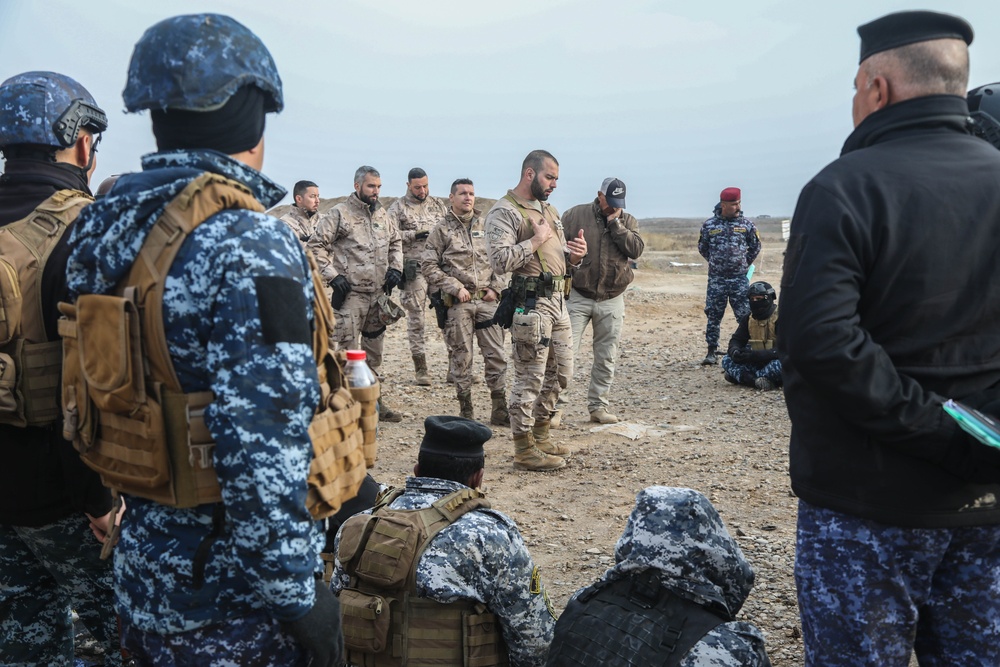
(283, 314)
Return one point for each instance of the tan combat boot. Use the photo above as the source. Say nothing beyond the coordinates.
(528, 457)
(465, 404)
(420, 370)
(500, 415)
(544, 442)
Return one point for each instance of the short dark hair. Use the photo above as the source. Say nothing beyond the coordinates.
(460, 181)
(535, 160)
(416, 172)
(301, 187)
(453, 468)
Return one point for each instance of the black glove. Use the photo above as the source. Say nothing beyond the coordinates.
(341, 288)
(739, 356)
(392, 279)
(420, 236)
(760, 358)
(319, 630)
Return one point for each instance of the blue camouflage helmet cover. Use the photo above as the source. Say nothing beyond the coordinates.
(196, 62)
(46, 109)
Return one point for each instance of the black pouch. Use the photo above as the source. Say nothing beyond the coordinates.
(411, 269)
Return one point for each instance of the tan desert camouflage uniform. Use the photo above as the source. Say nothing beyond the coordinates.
(301, 223)
(541, 370)
(413, 216)
(361, 245)
(456, 257)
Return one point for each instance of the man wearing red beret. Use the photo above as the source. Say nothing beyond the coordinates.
(729, 242)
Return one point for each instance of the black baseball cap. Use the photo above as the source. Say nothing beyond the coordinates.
(614, 192)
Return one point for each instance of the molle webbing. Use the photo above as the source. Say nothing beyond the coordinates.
(30, 392)
(763, 333)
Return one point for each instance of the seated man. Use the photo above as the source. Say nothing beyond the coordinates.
(752, 359)
(678, 581)
(434, 559)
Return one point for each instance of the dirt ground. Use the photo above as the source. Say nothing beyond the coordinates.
(728, 442)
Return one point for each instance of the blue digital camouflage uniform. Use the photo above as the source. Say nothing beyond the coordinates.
(745, 374)
(729, 246)
(933, 593)
(480, 557)
(678, 532)
(265, 395)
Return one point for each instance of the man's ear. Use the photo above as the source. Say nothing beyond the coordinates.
(416, 470)
(881, 84)
(79, 153)
(476, 480)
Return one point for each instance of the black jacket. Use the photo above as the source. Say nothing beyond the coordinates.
(890, 304)
(740, 342)
(42, 479)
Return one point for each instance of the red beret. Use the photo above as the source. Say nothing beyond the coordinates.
(730, 194)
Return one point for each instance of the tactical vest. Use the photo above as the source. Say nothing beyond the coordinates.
(384, 622)
(29, 363)
(631, 622)
(763, 333)
(123, 405)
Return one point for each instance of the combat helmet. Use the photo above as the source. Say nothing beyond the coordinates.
(761, 309)
(220, 56)
(984, 107)
(46, 109)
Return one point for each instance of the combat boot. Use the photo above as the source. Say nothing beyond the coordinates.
(465, 404)
(387, 414)
(500, 415)
(710, 358)
(544, 442)
(420, 370)
(529, 457)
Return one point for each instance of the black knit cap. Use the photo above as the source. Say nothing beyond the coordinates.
(454, 436)
(902, 28)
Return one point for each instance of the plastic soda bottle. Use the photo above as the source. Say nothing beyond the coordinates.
(357, 371)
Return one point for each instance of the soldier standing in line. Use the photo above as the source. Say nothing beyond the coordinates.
(230, 581)
(304, 213)
(475, 563)
(360, 256)
(729, 242)
(457, 263)
(415, 214)
(525, 237)
(49, 561)
(597, 297)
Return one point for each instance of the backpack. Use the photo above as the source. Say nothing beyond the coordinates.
(123, 405)
(30, 363)
(383, 620)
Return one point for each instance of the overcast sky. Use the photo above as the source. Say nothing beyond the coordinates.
(678, 99)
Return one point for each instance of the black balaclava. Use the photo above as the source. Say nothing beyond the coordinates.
(235, 127)
(761, 309)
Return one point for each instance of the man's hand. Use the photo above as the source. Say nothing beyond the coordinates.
(319, 631)
(543, 232)
(490, 294)
(464, 296)
(393, 278)
(577, 248)
(101, 526)
(740, 356)
(614, 216)
(420, 236)
(341, 288)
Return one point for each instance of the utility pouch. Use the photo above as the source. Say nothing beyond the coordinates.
(111, 352)
(483, 644)
(365, 619)
(8, 387)
(10, 302)
(567, 285)
(526, 328)
(79, 416)
(411, 269)
(388, 554)
(546, 284)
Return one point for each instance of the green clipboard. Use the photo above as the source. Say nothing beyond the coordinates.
(983, 428)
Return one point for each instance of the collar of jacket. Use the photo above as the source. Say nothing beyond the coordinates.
(355, 201)
(948, 112)
(264, 190)
(27, 183)
(450, 215)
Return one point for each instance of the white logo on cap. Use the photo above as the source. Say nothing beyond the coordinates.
(617, 192)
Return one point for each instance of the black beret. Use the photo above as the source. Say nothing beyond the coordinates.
(902, 28)
(454, 436)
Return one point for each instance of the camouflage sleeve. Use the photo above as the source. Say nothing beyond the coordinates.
(703, 248)
(321, 243)
(395, 246)
(266, 389)
(506, 253)
(430, 261)
(737, 644)
(407, 230)
(753, 242)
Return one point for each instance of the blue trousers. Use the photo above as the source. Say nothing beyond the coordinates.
(745, 374)
(45, 572)
(870, 594)
(723, 289)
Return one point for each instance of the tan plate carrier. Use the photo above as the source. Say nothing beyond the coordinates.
(123, 405)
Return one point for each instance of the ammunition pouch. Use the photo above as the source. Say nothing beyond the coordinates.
(527, 289)
(411, 269)
(526, 328)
